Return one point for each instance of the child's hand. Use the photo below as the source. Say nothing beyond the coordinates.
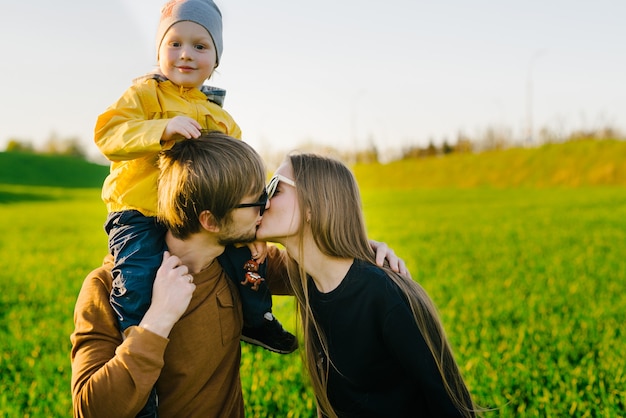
(258, 250)
(181, 125)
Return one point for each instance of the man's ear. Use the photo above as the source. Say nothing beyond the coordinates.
(208, 222)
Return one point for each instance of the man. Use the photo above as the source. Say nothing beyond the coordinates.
(211, 192)
(196, 370)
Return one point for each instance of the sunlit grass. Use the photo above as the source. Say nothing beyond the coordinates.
(529, 284)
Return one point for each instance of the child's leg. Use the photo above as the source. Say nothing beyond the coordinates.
(262, 328)
(260, 325)
(137, 243)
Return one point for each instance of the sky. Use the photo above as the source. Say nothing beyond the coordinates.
(341, 73)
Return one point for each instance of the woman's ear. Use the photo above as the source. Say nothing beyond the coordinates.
(208, 222)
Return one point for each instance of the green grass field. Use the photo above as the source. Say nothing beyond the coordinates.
(529, 281)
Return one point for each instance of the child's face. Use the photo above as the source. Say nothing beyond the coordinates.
(187, 54)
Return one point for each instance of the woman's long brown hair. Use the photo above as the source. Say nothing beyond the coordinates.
(328, 191)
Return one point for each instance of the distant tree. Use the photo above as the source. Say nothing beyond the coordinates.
(74, 148)
(409, 152)
(495, 139)
(67, 146)
(431, 150)
(416, 152)
(18, 145)
(463, 143)
(606, 132)
(548, 136)
(446, 148)
(368, 155)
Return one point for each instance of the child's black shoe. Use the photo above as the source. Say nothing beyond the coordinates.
(271, 336)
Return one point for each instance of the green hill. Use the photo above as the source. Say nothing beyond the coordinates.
(50, 170)
(570, 164)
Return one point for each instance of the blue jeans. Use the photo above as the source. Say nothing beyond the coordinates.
(137, 243)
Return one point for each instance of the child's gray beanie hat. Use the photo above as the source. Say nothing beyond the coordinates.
(203, 12)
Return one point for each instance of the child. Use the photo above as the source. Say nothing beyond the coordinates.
(159, 109)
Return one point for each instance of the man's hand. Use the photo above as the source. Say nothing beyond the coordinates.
(171, 294)
(383, 252)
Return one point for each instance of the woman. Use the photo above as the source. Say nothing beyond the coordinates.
(374, 344)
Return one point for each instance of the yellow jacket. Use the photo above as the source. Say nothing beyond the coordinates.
(129, 134)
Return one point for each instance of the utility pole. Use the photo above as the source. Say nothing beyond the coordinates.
(529, 98)
(356, 98)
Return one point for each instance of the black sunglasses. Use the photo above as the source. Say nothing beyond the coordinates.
(262, 202)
